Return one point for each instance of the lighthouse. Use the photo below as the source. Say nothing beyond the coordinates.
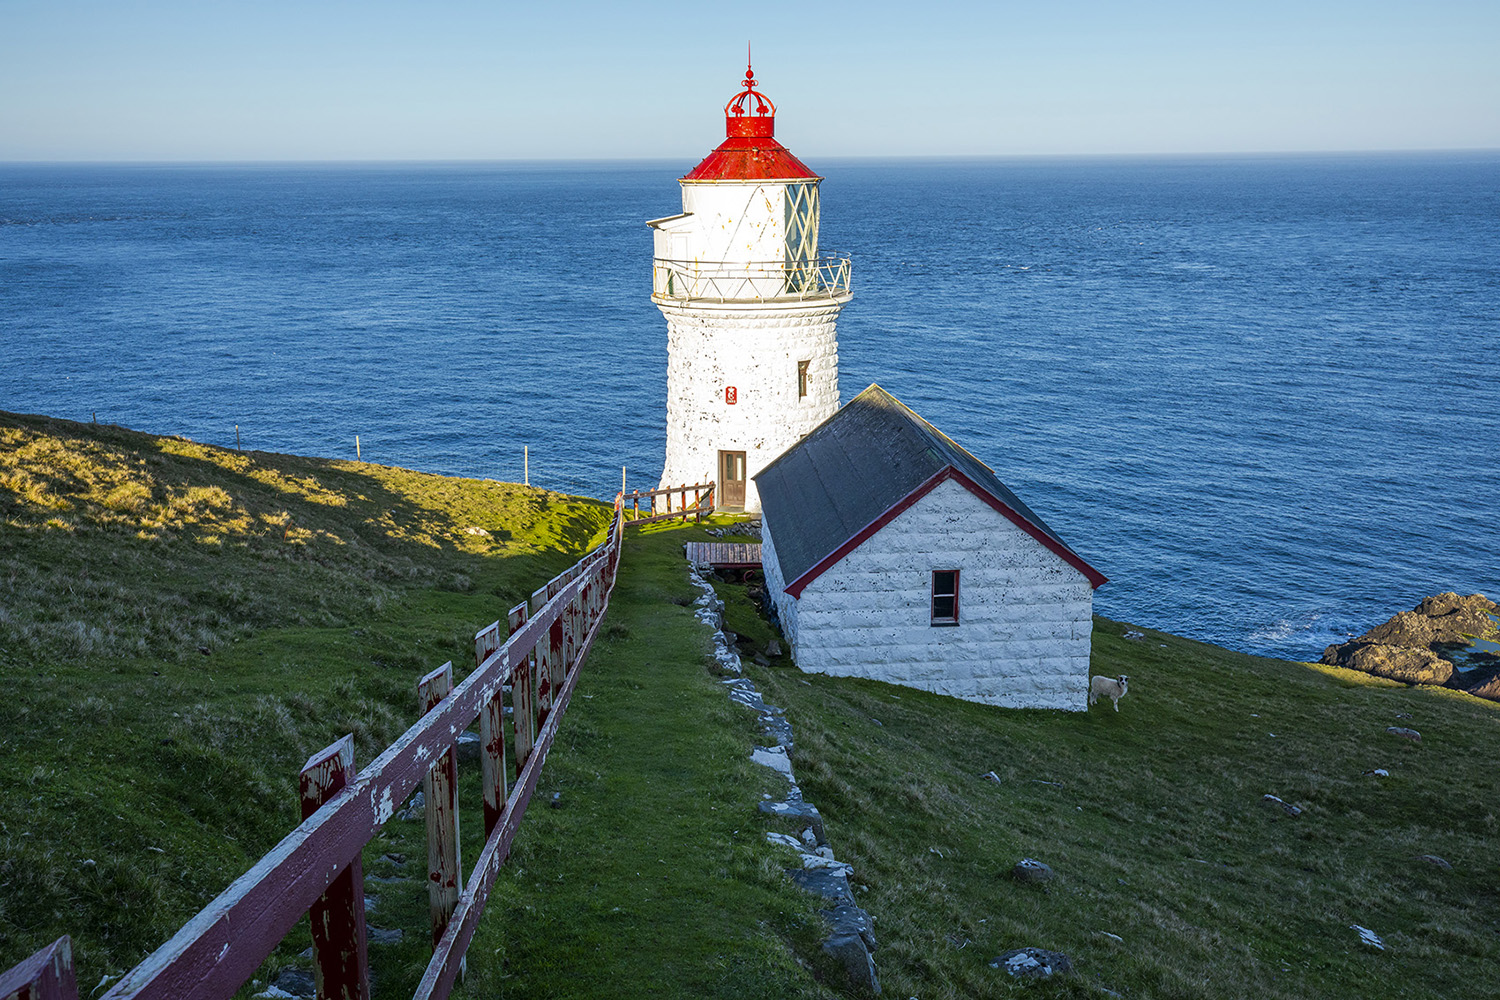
(750, 303)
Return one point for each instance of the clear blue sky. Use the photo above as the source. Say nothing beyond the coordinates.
(328, 79)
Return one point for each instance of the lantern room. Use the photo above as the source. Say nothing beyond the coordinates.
(749, 221)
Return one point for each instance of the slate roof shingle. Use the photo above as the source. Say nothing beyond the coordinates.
(858, 464)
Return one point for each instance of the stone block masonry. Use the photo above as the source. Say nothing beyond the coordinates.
(756, 350)
(1025, 615)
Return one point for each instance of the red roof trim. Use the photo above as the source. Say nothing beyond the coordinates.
(750, 159)
(1095, 578)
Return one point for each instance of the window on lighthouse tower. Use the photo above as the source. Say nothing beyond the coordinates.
(802, 379)
(801, 221)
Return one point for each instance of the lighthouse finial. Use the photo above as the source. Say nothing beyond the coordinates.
(761, 105)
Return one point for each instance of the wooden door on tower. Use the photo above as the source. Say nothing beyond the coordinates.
(731, 480)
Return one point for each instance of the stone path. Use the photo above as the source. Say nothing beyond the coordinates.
(851, 939)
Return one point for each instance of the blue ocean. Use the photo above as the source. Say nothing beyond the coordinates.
(1259, 393)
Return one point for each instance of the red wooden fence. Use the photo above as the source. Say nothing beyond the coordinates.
(316, 868)
(703, 503)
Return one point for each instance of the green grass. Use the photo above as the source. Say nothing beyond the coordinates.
(1151, 818)
(181, 626)
(139, 775)
(654, 877)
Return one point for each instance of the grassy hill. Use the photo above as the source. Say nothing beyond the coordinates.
(180, 626)
(1173, 879)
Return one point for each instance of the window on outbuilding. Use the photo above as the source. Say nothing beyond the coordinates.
(802, 367)
(945, 597)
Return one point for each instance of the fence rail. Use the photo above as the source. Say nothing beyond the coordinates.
(823, 276)
(703, 503)
(316, 868)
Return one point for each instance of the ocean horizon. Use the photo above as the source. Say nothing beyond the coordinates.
(1258, 391)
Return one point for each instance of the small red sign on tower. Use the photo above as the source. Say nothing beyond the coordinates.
(730, 395)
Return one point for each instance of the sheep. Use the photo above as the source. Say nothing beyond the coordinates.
(1114, 687)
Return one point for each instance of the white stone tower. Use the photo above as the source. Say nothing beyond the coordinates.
(752, 356)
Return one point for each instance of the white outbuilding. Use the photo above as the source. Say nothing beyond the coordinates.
(892, 553)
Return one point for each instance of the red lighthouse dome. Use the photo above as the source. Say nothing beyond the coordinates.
(750, 151)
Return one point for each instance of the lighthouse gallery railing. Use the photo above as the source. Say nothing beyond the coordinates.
(824, 276)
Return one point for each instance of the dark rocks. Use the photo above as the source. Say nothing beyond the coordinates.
(416, 807)
(1404, 733)
(1433, 859)
(468, 748)
(1419, 646)
(1483, 687)
(773, 648)
(797, 809)
(778, 729)
(1397, 663)
(1406, 628)
(1442, 605)
(1031, 870)
(1032, 963)
(851, 940)
(1272, 802)
(826, 882)
(742, 691)
(748, 529)
(295, 982)
(380, 935)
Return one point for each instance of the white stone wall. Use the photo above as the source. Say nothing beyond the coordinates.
(786, 605)
(1025, 615)
(756, 350)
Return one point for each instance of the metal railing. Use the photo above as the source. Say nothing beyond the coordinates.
(825, 276)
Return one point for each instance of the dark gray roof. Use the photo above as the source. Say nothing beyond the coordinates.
(856, 466)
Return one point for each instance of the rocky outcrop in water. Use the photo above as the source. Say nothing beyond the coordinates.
(1423, 646)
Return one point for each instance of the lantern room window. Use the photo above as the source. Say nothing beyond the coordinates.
(945, 597)
(802, 367)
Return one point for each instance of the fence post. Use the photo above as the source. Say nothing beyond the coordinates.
(546, 665)
(557, 640)
(575, 633)
(46, 975)
(496, 780)
(341, 960)
(523, 692)
(441, 787)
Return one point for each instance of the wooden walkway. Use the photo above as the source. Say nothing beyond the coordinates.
(724, 555)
